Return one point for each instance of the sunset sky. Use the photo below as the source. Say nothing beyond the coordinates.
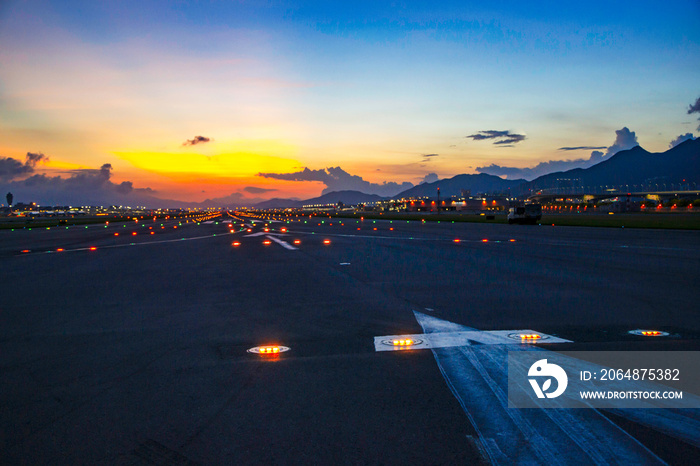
(195, 100)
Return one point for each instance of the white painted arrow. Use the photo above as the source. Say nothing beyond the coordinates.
(264, 233)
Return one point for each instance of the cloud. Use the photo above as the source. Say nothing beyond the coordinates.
(583, 148)
(500, 137)
(429, 178)
(695, 108)
(256, 190)
(337, 179)
(81, 187)
(196, 140)
(679, 139)
(33, 159)
(11, 168)
(427, 157)
(624, 139)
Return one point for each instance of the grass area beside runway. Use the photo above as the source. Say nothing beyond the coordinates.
(676, 221)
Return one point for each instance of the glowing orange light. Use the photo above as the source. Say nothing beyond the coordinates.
(25, 250)
(93, 248)
(484, 240)
(530, 336)
(456, 240)
(326, 241)
(59, 249)
(116, 234)
(267, 242)
(512, 240)
(651, 333)
(133, 233)
(403, 342)
(235, 243)
(297, 241)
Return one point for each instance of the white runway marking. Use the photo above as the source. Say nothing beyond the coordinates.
(284, 244)
(477, 376)
(465, 338)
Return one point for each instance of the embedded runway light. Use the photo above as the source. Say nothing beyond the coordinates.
(648, 333)
(59, 250)
(116, 234)
(484, 240)
(326, 241)
(400, 343)
(235, 244)
(297, 241)
(133, 233)
(93, 248)
(267, 242)
(456, 240)
(26, 251)
(512, 240)
(268, 350)
(529, 336)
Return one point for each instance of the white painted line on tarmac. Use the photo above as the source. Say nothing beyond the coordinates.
(465, 338)
(477, 375)
(284, 244)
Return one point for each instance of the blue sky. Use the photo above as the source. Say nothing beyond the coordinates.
(371, 87)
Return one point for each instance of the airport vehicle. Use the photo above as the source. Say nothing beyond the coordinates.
(528, 213)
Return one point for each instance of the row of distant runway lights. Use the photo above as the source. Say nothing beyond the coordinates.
(242, 228)
(407, 343)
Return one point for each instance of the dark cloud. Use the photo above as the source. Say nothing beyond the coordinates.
(12, 168)
(695, 108)
(679, 139)
(81, 187)
(429, 178)
(583, 148)
(125, 187)
(624, 139)
(256, 190)
(500, 137)
(427, 157)
(337, 179)
(196, 140)
(32, 159)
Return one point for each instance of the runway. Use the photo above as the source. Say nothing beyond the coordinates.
(132, 349)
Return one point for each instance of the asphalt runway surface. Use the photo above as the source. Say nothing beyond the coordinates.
(133, 349)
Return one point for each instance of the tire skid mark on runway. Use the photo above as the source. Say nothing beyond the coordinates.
(476, 376)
